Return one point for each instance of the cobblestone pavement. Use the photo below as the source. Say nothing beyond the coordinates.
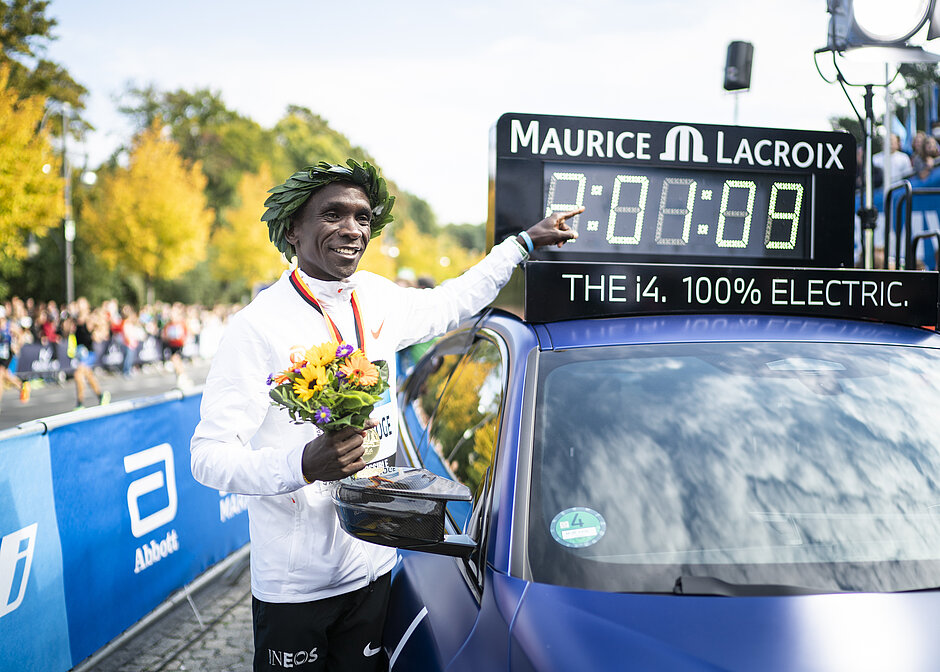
(211, 634)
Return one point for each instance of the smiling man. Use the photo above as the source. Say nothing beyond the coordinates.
(331, 231)
(319, 595)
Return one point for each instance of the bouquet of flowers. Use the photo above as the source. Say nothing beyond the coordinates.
(332, 385)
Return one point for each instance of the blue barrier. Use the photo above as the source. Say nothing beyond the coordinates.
(925, 216)
(100, 521)
(34, 631)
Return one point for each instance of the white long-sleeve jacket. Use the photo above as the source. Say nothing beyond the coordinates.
(245, 445)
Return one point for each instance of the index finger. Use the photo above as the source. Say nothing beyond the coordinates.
(571, 213)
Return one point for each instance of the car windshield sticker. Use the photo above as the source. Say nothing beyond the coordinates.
(578, 527)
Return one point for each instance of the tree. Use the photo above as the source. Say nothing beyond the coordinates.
(30, 187)
(24, 30)
(240, 250)
(919, 79)
(470, 236)
(303, 138)
(150, 218)
(854, 126)
(437, 256)
(226, 144)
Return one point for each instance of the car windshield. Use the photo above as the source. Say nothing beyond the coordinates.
(781, 464)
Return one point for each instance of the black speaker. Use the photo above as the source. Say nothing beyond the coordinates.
(738, 66)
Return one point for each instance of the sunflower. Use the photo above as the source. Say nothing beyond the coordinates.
(312, 379)
(323, 354)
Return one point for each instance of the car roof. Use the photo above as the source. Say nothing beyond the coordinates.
(722, 328)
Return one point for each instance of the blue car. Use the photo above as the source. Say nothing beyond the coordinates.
(708, 442)
(717, 492)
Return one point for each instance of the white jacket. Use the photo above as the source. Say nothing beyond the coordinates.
(245, 445)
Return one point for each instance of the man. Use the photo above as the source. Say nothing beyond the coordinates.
(78, 332)
(319, 595)
(174, 335)
(8, 348)
(899, 163)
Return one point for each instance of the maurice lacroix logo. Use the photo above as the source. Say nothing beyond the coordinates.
(16, 559)
(682, 143)
(162, 480)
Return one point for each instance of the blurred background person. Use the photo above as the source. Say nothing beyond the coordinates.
(80, 347)
(174, 335)
(7, 344)
(900, 163)
(129, 333)
(926, 159)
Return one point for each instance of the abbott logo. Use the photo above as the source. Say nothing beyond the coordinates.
(684, 143)
(16, 558)
(151, 482)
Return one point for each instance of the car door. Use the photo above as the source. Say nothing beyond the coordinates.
(451, 410)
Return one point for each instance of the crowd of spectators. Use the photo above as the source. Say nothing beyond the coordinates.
(918, 162)
(81, 331)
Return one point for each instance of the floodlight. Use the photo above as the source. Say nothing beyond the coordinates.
(862, 23)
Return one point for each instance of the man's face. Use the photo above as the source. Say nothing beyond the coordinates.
(331, 231)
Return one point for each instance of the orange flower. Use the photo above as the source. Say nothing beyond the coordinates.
(360, 370)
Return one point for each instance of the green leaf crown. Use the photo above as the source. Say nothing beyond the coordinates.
(288, 198)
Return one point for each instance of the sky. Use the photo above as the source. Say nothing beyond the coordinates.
(419, 84)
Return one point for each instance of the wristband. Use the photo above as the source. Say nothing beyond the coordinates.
(528, 241)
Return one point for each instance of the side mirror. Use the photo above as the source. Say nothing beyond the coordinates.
(403, 508)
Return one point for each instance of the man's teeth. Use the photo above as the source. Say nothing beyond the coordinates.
(347, 250)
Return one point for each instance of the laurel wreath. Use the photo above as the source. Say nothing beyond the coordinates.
(288, 198)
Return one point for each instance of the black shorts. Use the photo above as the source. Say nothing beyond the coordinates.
(343, 632)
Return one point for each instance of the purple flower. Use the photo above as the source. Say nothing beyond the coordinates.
(322, 415)
(340, 373)
(344, 350)
(270, 379)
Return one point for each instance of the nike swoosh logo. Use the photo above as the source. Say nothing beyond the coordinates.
(368, 652)
(376, 332)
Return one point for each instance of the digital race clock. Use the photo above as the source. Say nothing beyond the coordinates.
(677, 192)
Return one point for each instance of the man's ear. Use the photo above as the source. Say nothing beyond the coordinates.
(291, 234)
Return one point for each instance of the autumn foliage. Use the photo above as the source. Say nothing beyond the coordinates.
(31, 199)
(151, 217)
(240, 249)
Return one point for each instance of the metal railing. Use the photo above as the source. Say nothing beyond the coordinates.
(910, 241)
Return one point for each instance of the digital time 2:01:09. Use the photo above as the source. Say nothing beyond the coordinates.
(658, 211)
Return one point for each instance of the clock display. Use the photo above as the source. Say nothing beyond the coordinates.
(676, 192)
(668, 211)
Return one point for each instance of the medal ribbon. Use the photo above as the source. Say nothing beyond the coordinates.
(335, 334)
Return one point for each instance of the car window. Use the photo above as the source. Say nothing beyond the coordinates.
(424, 389)
(802, 464)
(462, 432)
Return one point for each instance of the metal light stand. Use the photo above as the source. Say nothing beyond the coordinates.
(868, 215)
(68, 223)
